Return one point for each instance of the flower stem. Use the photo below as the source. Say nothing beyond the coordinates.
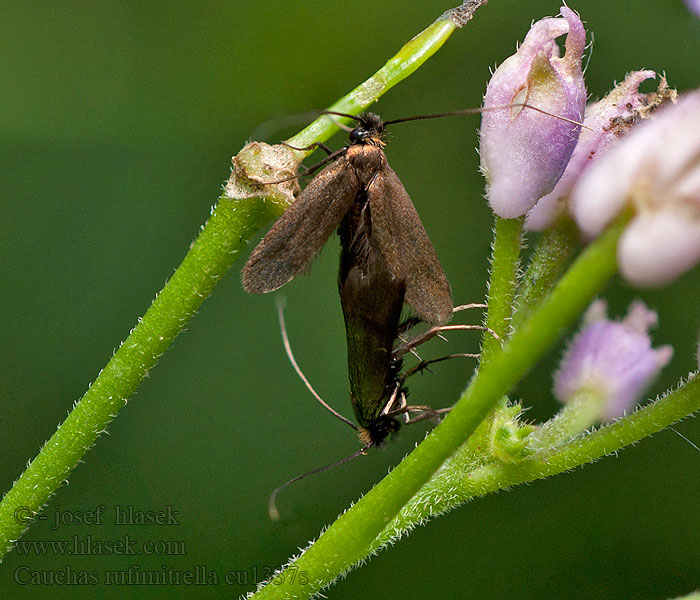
(505, 262)
(551, 255)
(581, 412)
(232, 223)
(503, 285)
(347, 541)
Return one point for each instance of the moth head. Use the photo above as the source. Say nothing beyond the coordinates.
(369, 130)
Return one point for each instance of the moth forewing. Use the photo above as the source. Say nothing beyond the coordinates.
(300, 233)
(407, 249)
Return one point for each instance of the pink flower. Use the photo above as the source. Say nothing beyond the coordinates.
(656, 171)
(612, 361)
(606, 122)
(524, 152)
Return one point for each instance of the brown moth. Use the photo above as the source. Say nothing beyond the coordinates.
(359, 182)
(386, 259)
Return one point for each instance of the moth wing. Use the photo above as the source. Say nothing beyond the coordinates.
(407, 249)
(300, 233)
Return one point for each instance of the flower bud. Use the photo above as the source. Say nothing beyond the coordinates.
(612, 362)
(509, 437)
(606, 122)
(656, 171)
(523, 151)
(693, 6)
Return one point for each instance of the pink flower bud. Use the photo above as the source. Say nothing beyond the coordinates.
(613, 361)
(693, 6)
(606, 122)
(524, 152)
(655, 170)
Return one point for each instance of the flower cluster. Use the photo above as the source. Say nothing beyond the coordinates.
(605, 123)
(656, 171)
(543, 157)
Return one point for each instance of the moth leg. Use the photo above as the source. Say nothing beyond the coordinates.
(403, 405)
(397, 395)
(412, 350)
(434, 331)
(411, 322)
(426, 412)
(310, 170)
(388, 407)
(423, 365)
(462, 307)
(432, 414)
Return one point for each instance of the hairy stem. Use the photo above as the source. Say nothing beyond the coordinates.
(505, 262)
(458, 482)
(581, 412)
(212, 253)
(548, 261)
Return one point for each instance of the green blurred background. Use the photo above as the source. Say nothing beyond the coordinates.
(117, 125)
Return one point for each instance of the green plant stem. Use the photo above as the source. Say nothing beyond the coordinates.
(503, 284)
(210, 256)
(548, 261)
(580, 413)
(505, 262)
(231, 224)
(348, 540)
(411, 56)
(457, 482)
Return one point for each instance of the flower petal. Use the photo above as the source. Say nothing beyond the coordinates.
(658, 246)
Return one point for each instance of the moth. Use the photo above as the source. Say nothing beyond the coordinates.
(386, 260)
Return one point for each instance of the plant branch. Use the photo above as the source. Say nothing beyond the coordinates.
(212, 253)
(411, 56)
(458, 482)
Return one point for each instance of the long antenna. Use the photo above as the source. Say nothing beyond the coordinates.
(468, 111)
(472, 111)
(272, 507)
(290, 356)
(342, 114)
